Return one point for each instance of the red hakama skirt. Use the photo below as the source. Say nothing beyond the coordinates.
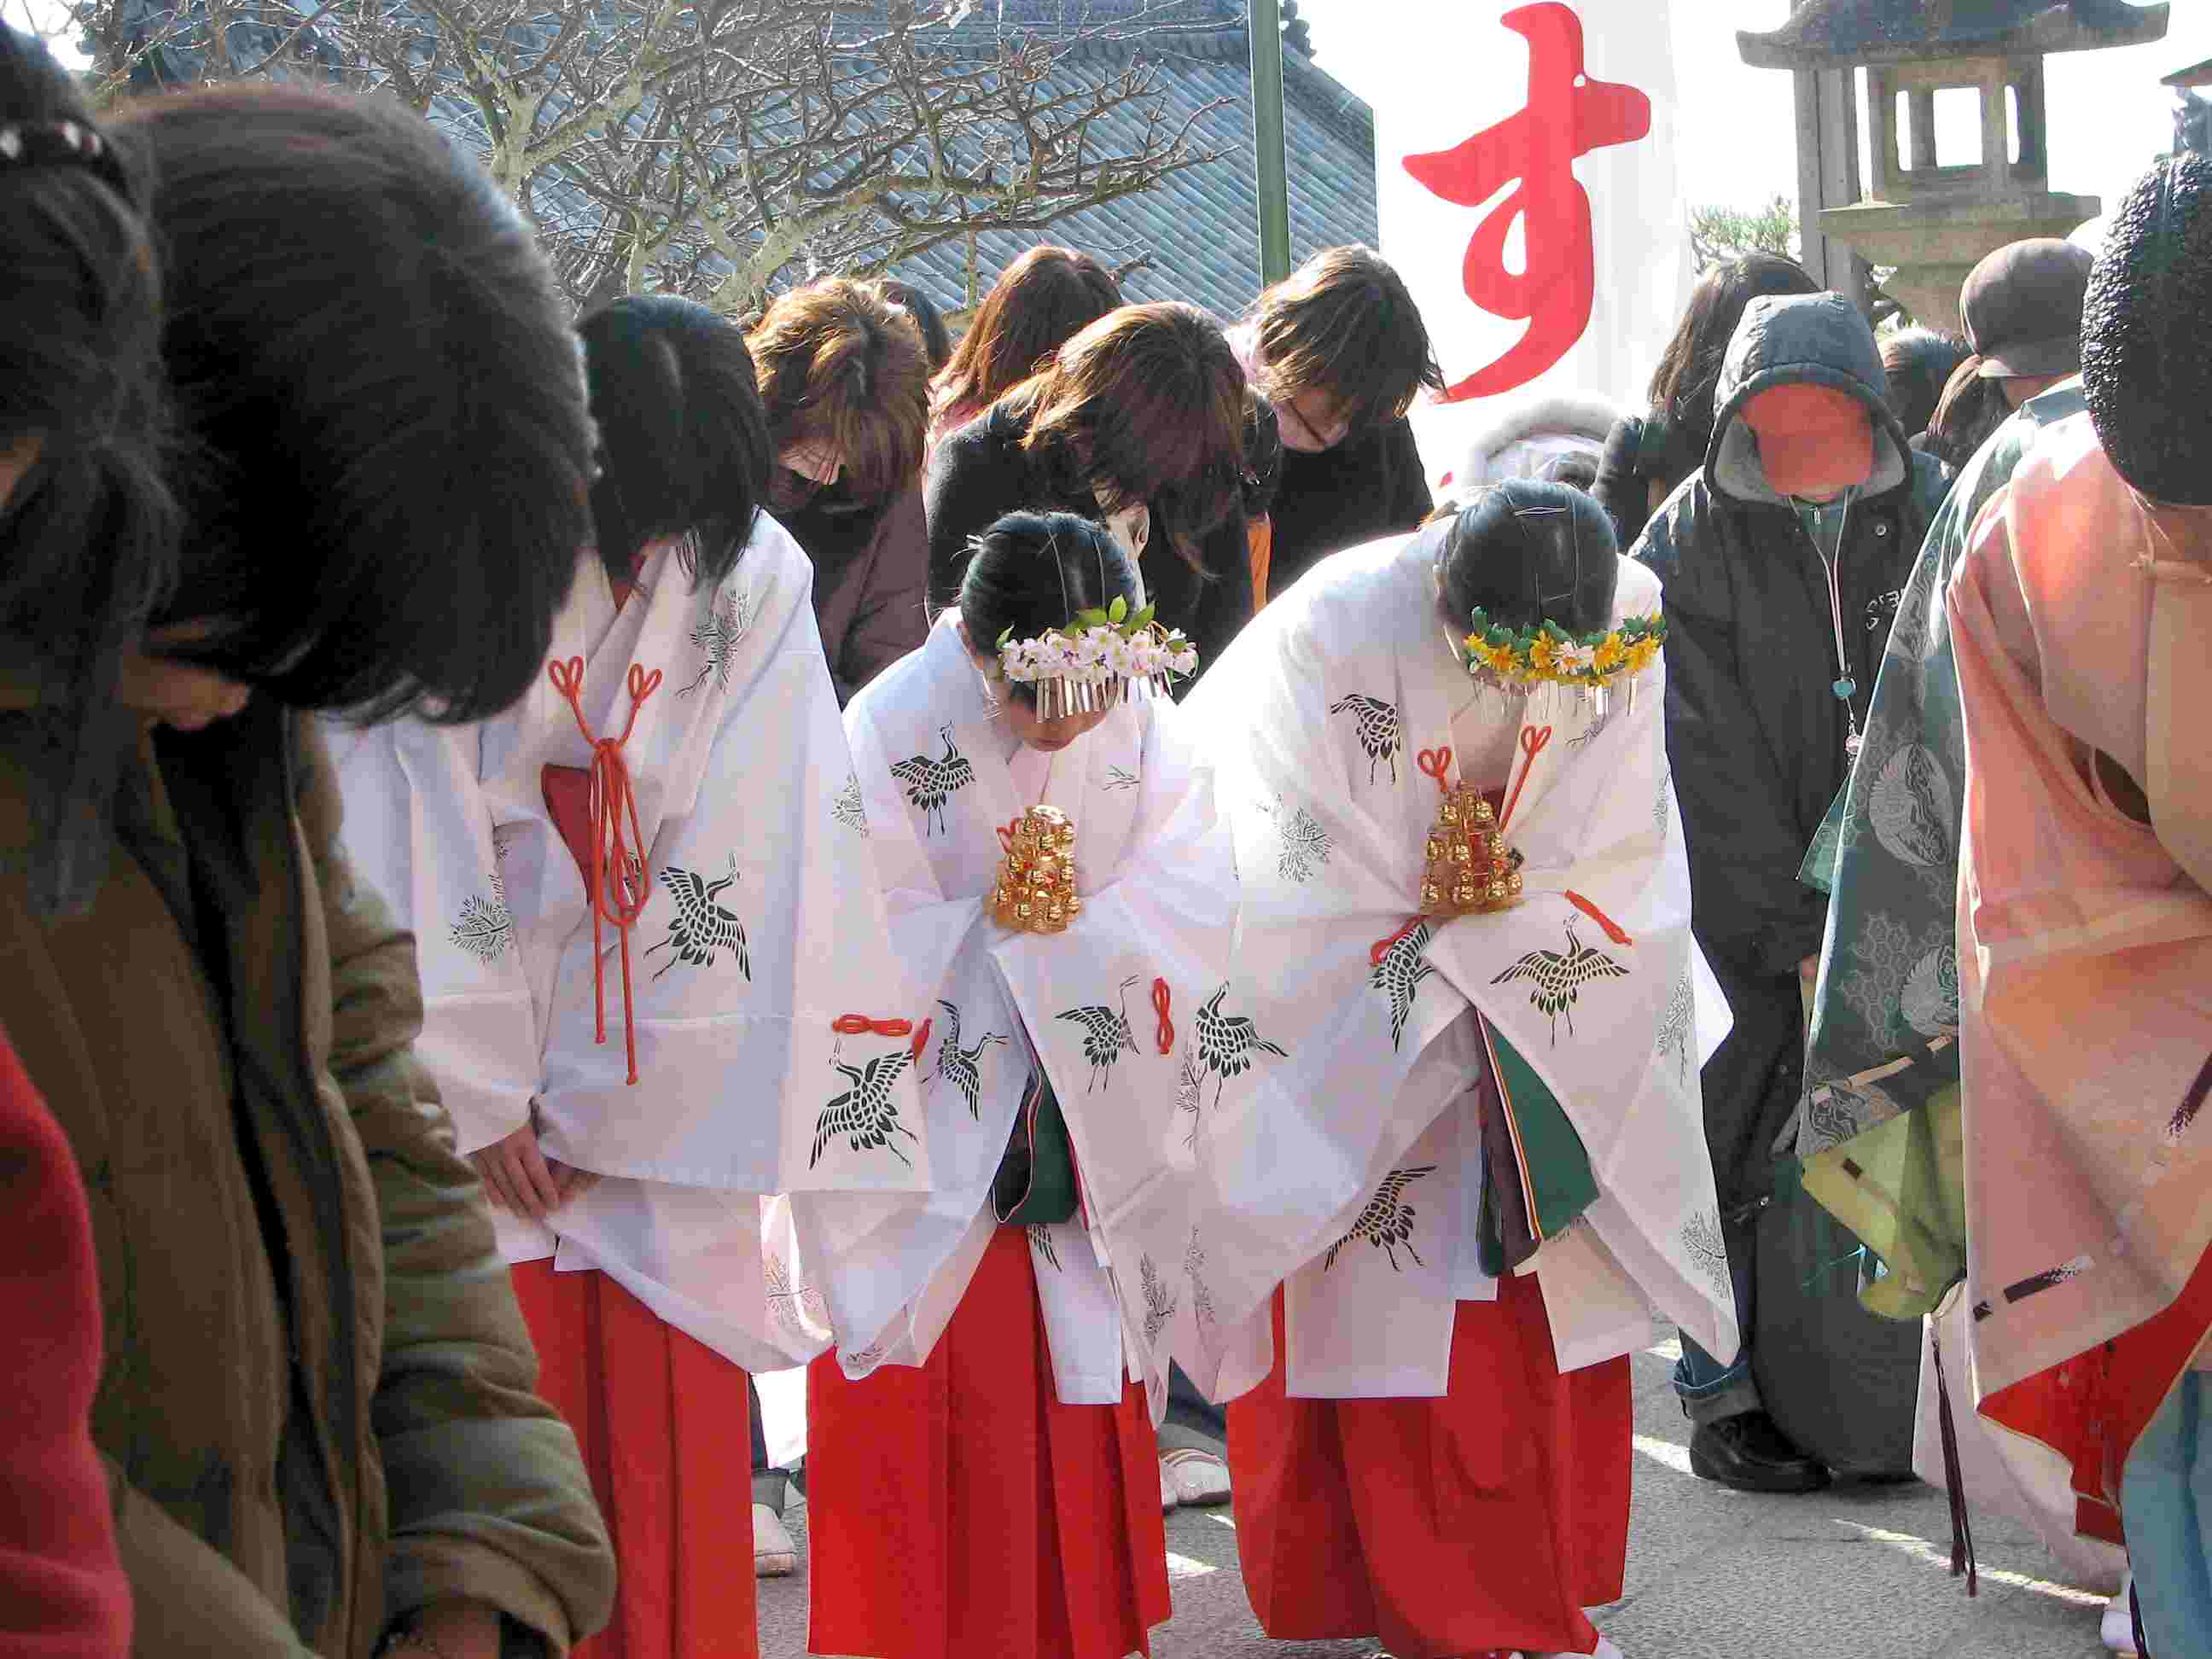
(1488, 1519)
(958, 1509)
(663, 1425)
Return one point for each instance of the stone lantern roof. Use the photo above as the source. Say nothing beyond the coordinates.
(1833, 34)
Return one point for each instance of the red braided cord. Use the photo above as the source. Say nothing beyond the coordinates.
(615, 878)
(1162, 1002)
(1533, 739)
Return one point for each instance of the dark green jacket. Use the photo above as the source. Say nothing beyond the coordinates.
(316, 1401)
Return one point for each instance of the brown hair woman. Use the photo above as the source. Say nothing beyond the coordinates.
(1039, 302)
(845, 382)
(1340, 346)
(1138, 422)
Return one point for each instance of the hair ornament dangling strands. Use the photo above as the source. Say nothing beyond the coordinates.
(1098, 658)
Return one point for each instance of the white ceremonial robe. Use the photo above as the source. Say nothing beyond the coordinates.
(765, 925)
(939, 776)
(1350, 1172)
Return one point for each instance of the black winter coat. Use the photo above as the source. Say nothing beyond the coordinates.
(980, 473)
(1754, 730)
(1641, 451)
(1365, 488)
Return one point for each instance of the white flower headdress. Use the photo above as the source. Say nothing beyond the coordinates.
(1097, 658)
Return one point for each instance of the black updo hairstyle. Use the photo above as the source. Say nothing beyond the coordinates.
(1526, 552)
(88, 538)
(1032, 572)
(2143, 325)
(391, 455)
(683, 443)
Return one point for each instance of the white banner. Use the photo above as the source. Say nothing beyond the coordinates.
(1527, 193)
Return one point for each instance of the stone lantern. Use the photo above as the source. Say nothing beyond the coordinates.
(1934, 223)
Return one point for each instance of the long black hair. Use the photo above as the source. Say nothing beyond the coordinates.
(88, 536)
(391, 450)
(682, 443)
(1032, 572)
(1690, 369)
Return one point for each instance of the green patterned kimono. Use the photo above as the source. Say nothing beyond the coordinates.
(1879, 1126)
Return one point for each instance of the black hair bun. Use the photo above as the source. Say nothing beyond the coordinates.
(2144, 321)
(1526, 552)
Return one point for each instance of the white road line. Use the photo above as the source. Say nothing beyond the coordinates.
(1920, 1550)
(1675, 1457)
(1181, 1566)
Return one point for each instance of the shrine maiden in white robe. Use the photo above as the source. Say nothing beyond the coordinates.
(764, 928)
(1366, 1134)
(1113, 1010)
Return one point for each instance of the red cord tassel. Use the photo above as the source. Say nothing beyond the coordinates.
(615, 878)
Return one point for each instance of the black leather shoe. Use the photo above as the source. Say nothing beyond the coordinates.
(1748, 1453)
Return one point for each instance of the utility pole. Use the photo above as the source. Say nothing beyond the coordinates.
(1270, 177)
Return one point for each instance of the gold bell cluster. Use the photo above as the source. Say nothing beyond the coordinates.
(1470, 868)
(1035, 892)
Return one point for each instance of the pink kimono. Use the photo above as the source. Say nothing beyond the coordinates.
(2081, 621)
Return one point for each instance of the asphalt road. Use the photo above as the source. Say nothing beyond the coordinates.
(1850, 1573)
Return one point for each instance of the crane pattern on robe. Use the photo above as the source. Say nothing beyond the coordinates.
(865, 1114)
(962, 1067)
(930, 780)
(1557, 979)
(1105, 1035)
(1377, 722)
(701, 928)
(1400, 973)
(1386, 1223)
(1228, 1043)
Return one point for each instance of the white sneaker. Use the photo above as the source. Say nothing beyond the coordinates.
(1198, 1478)
(2118, 1628)
(774, 1556)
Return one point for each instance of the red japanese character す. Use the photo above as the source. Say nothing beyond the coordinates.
(1567, 115)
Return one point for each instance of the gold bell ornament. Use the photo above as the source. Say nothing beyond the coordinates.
(1035, 892)
(1469, 867)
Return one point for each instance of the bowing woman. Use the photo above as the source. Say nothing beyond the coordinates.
(635, 1030)
(1461, 862)
(1138, 422)
(1340, 346)
(983, 1478)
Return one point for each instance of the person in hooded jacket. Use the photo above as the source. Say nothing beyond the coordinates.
(1647, 456)
(1782, 557)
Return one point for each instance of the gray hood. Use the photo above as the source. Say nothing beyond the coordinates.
(1811, 339)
